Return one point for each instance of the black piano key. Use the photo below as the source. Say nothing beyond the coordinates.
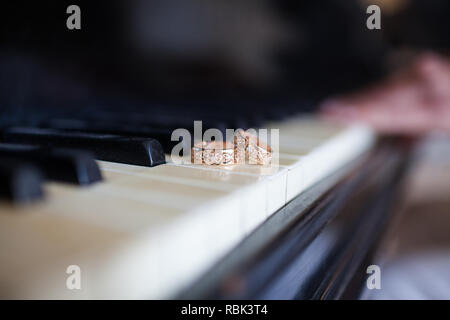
(129, 150)
(19, 182)
(163, 135)
(62, 165)
(130, 128)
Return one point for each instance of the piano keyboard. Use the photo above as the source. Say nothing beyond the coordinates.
(149, 232)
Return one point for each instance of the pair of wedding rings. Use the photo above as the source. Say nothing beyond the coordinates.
(246, 148)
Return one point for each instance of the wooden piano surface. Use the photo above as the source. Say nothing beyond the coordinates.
(150, 232)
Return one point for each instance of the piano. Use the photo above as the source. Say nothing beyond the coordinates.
(157, 232)
(88, 181)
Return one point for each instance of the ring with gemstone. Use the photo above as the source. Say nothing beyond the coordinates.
(250, 148)
(259, 154)
(213, 153)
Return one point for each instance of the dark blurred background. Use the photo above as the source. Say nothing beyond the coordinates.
(205, 52)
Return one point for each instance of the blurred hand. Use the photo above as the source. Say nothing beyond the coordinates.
(413, 101)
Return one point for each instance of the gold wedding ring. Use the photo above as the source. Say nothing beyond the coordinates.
(245, 147)
(213, 153)
(250, 148)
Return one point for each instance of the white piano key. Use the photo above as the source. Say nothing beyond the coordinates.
(276, 191)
